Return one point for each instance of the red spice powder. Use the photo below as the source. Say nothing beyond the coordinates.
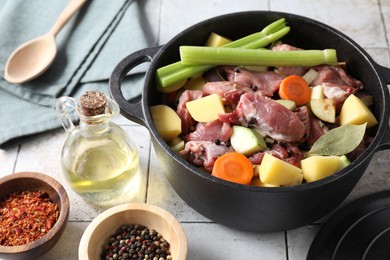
(25, 217)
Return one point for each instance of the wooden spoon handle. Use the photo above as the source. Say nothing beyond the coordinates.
(67, 13)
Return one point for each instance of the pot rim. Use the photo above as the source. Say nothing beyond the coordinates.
(362, 159)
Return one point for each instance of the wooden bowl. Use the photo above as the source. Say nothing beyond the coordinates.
(103, 226)
(34, 181)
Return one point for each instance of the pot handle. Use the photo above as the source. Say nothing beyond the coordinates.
(384, 73)
(132, 111)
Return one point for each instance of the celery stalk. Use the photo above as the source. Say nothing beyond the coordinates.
(192, 55)
(177, 71)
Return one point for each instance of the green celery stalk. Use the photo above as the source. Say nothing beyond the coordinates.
(192, 55)
(178, 71)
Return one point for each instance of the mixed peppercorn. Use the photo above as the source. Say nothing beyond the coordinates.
(26, 216)
(136, 242)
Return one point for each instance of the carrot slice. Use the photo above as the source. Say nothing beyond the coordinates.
(233, 167)
(295, 88)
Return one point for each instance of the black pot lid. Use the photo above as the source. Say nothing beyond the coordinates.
(359, 230)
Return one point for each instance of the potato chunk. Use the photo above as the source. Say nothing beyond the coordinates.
(275, 171)
(318, 167)
(171, 88)
(206, 109)
(195, 83)
(216, 40)
(257, 182)
(166, 121)
(355, 112)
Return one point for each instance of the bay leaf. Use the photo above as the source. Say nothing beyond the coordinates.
(338, 141)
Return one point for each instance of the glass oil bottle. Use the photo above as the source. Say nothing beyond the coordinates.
(99, 160)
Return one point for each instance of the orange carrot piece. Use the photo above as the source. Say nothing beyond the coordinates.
(233, 167)
(295, 88)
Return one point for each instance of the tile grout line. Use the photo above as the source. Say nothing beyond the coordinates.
(159, 23)
(384, 26)
(286, 244)
(16, 159)
(148, 176)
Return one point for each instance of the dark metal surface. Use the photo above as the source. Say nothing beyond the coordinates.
(250, 208)
(360, 230)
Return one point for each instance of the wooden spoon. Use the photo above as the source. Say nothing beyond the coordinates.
(34, 57)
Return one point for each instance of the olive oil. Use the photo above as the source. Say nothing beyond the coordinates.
(99, 159)
(102, 171)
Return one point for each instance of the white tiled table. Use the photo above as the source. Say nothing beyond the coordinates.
(366, 21)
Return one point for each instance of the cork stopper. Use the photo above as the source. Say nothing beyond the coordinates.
(93, 103)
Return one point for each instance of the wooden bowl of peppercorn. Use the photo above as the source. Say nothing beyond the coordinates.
(134, 229)
(34, 210)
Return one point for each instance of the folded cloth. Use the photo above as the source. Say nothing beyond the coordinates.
(89, 46)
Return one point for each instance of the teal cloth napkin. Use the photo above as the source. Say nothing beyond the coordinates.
(89, 47)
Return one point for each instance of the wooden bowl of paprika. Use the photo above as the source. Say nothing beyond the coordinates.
(34, 210)
(137, 230)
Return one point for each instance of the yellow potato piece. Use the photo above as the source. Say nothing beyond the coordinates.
(171, 88)
(318, 167)
(355, 112)
(216, 40)
(257, 182)
(166, 121)
(177, 144)
(195, 83)
(275, 171)
(297, 181)
(206, 109)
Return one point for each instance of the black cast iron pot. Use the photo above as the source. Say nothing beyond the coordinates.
(252, 208)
